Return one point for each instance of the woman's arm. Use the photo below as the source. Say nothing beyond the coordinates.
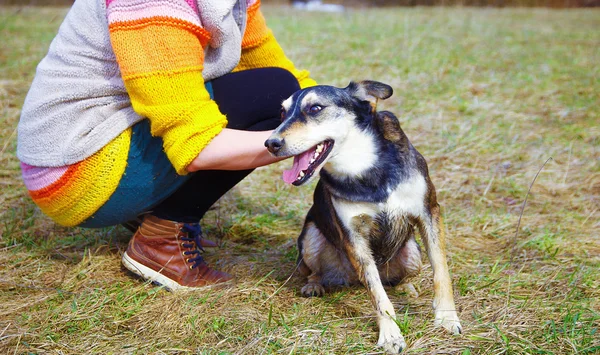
(159, 48)
(234, 150)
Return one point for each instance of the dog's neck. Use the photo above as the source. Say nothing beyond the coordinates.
(366, 168)
(355, 156)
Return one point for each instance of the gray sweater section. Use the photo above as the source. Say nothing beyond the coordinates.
(77, 102)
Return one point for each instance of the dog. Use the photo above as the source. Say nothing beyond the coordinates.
(374, 192)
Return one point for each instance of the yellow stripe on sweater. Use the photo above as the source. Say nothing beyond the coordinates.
(180, 111)
(80, 194)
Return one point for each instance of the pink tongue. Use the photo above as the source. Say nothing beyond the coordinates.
(301, 162)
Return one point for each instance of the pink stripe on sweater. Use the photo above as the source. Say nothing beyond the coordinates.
(122, 15)
(37, 178)
(127, 10)
(193, 4)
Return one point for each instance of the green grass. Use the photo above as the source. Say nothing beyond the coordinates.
(487, 95)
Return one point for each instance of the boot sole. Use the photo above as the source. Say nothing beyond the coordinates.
(156, 277)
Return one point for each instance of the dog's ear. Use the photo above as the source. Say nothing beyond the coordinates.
(368, 90)
(371, 91)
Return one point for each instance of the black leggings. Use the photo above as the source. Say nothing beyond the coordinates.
(251, 100)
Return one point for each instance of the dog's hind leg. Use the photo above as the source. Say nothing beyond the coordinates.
(432, 231)
(405, 265)
(311, 244)
(409, 289)
(361, 257)
(411, 263)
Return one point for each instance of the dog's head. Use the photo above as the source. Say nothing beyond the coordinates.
(318, 121)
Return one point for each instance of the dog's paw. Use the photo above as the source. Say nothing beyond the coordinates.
(390, 338)
(448, 320)
(313, 290)
(409, 289)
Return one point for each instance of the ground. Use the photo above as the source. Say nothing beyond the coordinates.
(487, 95)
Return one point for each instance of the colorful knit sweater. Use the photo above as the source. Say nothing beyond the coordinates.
(153, 64)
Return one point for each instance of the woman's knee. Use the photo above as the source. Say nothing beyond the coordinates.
(250, 97)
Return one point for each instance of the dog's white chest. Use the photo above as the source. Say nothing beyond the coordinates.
(408, 197)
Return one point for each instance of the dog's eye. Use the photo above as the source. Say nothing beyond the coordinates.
(282, 114)
(315, 109)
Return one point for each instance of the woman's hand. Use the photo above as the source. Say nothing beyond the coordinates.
(234, 150)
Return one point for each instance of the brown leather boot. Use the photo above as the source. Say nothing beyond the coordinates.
(168, 253)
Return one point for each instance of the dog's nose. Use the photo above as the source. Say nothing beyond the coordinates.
(274, 144)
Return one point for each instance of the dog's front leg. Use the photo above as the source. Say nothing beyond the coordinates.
(361, 258)
(432, 232)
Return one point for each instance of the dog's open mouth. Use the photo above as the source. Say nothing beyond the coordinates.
(305, 164)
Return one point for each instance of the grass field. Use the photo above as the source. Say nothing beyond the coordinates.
(487, 95)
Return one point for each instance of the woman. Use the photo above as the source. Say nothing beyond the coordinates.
(153, 108)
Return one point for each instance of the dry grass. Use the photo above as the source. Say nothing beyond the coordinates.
(486, 95)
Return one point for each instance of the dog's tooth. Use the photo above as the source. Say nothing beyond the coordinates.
(301, 175)
(313, 160)
(319, 148)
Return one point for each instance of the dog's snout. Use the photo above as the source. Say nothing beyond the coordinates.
(274, 144)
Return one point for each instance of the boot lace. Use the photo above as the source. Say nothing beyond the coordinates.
(193, 239)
